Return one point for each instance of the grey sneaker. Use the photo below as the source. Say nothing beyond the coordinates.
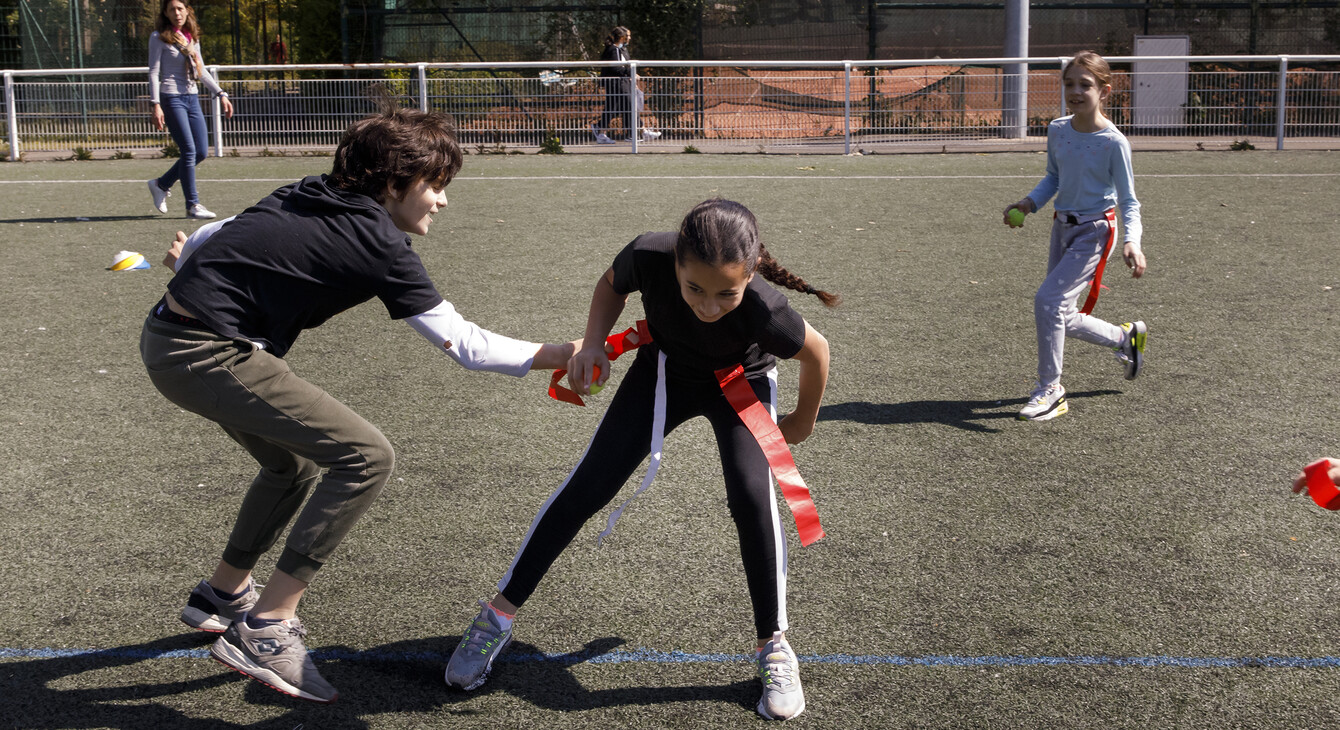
(779, 671)
(160, 196)
(1045, 404)
(483, 641)
(1132, 350)
(274, 656)
(199, 211)
(206, 611)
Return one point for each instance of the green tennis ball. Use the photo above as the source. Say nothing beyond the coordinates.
(1015, 217)
(595, 375)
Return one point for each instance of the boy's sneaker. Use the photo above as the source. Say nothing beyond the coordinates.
(274, 655)
(483, 641)
(160, 196)
(779, 671)
(1045, 404)
(207, 611)
(199, 211)
(1132, 350)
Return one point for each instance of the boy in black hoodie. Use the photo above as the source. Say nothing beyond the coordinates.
(214, 345)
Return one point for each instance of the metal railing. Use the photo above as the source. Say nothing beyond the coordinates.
(825, 106)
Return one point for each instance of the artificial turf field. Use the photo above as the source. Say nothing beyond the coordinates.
(1136, 563)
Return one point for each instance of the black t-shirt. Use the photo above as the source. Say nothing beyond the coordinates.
(763, 328)
(297, 258)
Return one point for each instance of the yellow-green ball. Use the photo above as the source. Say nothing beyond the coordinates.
(1015, 217)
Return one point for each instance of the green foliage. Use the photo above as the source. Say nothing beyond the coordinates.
(664, 29)
(1241, 145)
(551, 145)
(170, 149)
(234, 153)
(267, 152)
(123, 155)
(691, 150)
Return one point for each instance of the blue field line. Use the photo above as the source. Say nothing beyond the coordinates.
(650, 656)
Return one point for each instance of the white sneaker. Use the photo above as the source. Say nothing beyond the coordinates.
(1045, 404)
(160, 196)
(779, 671)
(603, 138)
(199, 211)
(649, 134)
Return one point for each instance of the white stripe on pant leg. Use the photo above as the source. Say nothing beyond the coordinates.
(778, 534)
(657, 441)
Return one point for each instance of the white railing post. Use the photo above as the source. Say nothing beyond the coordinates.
(423, 87)
(633, 115)
(846, 109)
(218, 116)
(1280, 102)
(1060, 77)
(11, 118)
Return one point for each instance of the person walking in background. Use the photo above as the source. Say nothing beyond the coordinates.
(620, 85)
(175, 68)
(1089, 172)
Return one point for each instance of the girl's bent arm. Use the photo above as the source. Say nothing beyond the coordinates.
(606, 306)
(813, 358)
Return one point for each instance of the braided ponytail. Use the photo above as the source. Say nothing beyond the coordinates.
(769, 269)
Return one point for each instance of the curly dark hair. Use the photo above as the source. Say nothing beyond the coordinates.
(396, 145)
(720, 231)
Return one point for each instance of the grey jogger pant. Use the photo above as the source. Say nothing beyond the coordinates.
(1075, 252)
(291, 427)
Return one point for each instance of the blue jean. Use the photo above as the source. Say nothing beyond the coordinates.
(186, 123)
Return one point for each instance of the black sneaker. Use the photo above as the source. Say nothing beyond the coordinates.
(275, 656)
(206, 611)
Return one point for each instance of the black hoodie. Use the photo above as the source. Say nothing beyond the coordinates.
(305, 253)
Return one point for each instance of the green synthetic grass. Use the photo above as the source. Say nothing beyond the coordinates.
(1152, 520)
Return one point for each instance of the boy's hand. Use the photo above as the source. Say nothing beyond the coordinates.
(174, 252)
(1135, 259)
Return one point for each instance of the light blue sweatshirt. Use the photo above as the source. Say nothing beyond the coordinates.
(1089, 172)
(168, 73)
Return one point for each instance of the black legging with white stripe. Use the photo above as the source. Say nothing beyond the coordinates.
(622, 442)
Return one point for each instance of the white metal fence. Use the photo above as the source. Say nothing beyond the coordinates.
(824, 106)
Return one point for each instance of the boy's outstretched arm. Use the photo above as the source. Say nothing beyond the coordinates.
(813, 358)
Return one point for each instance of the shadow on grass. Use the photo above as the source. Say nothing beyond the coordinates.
(403, 677)
(969, 415)
(83, 219)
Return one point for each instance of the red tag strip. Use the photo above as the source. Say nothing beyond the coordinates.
(759, 422)
(617, 345)
(1320, 486)
(1097, 282)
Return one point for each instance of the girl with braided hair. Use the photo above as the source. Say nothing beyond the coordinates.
(706, 314)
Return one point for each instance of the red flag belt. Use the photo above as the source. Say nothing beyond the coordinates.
(755, 417)
(1319, 485)
(1097, 283)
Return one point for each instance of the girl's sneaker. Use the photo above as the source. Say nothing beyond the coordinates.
(1132, 350)
(483, 641)
(159, 195)
(275, 656)
(207, 611)
(199, 211)
(779, 671)
(1045, 404)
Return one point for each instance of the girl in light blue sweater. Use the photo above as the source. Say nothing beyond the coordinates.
(1089, 172)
